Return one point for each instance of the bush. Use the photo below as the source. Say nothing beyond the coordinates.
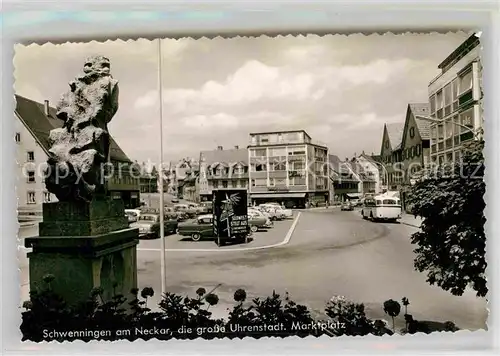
(47, 317)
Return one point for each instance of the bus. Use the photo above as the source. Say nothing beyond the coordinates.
(382, 207)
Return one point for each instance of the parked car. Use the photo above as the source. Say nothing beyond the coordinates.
(273, 212)
(206, 207)
(197, 208)
(185, 208)
(347, 206)
(149, 225)
(198, 228)
(175, 200)
(201, 227)
(263, 214)
(257, 219)
(132, 215)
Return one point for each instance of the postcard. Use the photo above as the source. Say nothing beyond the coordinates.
(251, 187)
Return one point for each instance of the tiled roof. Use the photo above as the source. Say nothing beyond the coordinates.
(229, 157)
(424, 127)
(33, 116)
(395, 132)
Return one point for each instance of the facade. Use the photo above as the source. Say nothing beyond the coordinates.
(148, 180)
(287, 167)
(456, 96)
(33, 124)
(346, 184)
(222, 168)
(374, 173)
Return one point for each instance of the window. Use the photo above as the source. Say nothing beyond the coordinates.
(465, 82)
(466, 118)
(441, 159)
(440, 132)
(279, 166)
(31, 177)
(449, 157)
(412, 132)
(31, 198)
(454, 90)
(434, 132)
(439, 100)
(224, 184)
(46, 197)
(432, 100)
(259, 153)
(447, 95)
(18, 137)
(238, 169)
(298, 181)
(259, 167)
(278, 152)
(297, 151)
(234, 184)
(215, 184)
(280, 181)
(262, 182)
(449, 129)
(264, 139)
(31, 156)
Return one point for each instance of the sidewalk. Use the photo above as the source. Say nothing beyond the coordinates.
(410, 220)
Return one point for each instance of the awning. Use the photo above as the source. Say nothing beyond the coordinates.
(354, 195)
(279, 195)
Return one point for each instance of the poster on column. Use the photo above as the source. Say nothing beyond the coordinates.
(230, 219)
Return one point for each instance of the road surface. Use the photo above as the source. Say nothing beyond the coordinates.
(329, 253)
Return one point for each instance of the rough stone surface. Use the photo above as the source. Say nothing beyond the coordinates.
(79, 218)
(80, 264)
(79, 150)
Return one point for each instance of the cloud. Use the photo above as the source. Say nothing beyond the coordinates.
(340, 89)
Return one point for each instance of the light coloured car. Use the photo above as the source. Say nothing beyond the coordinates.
(257, 212)
(274, 214)
(132, 215)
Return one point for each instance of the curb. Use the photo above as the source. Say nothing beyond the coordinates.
(412, 225)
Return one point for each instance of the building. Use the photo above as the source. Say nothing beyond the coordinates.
(346, 184)
(391, 155)
(222, 168)
(287, 167)
(148, 179)
(455, 97)
(34, 121)
(374, 173)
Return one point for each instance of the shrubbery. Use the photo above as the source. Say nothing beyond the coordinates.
(48, 317)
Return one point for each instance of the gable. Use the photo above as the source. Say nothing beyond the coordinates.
(386, 148)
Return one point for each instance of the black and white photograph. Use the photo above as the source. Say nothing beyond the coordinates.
(251, 187)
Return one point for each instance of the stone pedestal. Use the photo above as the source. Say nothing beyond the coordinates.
(84, 245)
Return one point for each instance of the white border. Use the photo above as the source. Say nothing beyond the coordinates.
(247, 18)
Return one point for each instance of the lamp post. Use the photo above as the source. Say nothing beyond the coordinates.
(441, 121)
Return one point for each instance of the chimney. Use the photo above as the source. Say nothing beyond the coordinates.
(46, 107)
(236, 147)
(220, 148)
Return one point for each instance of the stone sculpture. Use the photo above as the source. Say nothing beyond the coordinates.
(80, 149)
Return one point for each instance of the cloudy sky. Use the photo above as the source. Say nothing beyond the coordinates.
(340, 89)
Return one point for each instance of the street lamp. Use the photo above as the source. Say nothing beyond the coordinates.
(441, 121)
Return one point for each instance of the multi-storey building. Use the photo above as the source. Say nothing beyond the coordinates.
(287, 167)
(34, 122)
(222, 168)
(455, 97)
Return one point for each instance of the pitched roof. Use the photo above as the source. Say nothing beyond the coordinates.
(395, 132)
(32, 114)
(424, 127)
(229, 157)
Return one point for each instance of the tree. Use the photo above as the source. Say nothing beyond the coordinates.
(450, 245)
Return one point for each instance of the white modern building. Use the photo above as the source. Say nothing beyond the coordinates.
(288, 167)
(456, 96)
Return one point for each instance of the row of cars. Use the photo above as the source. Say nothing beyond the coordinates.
(199, 227)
